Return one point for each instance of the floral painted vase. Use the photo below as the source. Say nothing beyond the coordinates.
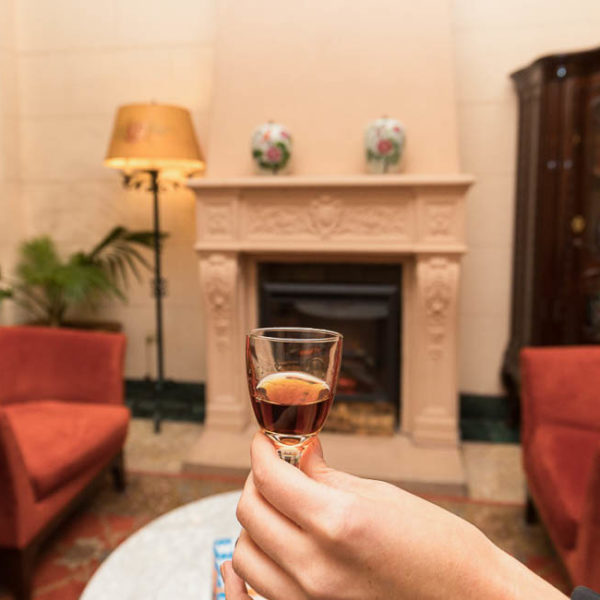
(384, 142)
(271, 148)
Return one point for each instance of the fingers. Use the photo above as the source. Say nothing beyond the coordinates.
(261, 573)
(279, 538)
(287, 488)
(312, 462)
(235, 588)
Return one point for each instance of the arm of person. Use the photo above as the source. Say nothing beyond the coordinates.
(315, 533)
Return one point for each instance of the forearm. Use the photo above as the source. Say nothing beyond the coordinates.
(516, 582)
(474, 568)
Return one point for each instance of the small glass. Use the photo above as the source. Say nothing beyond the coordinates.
(292, 377)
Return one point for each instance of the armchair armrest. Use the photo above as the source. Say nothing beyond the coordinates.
(588, 550)
(16, 496)
(60, 364)
(560, 385)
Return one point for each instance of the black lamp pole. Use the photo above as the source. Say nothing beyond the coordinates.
(159, 291)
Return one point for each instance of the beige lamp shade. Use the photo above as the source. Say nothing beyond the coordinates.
(154, 137)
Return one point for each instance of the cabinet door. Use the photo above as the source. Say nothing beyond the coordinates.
(585, 223)
(557, 290)
(522, 322)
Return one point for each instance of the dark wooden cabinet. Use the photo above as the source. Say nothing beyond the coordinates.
(556, 264)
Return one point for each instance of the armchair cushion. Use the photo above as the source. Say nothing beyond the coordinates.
(558, 463)
(60, 440)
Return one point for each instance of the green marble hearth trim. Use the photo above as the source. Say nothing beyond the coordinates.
(487, 419)
(181, 400)
(482, 418)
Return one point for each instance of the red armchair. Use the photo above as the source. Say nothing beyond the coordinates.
(62, 423)
(561, 451)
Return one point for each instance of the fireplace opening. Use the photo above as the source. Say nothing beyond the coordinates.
(362, 302)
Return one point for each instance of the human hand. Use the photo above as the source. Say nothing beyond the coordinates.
(235, 588)
(317, 533)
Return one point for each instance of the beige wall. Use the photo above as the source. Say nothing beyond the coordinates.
(492, 39)
(327, 69)
(11, 221)
(77, 61)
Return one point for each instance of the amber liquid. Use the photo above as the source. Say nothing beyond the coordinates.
(290, 403)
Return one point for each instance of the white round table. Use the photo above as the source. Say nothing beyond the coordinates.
(171, 558)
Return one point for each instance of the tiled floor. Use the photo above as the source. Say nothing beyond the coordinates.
(163, 452)
(493, 470)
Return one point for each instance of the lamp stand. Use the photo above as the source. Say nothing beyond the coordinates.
(159, 291)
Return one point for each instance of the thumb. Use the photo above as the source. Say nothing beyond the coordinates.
(313, 463)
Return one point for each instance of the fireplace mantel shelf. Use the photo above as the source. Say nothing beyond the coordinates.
(332, 181)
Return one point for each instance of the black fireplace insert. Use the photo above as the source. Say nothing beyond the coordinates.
(361, 301)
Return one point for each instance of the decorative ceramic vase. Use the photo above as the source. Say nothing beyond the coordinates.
(271, 148)
(384, 142)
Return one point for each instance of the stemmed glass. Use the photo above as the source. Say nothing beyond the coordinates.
(292, 375)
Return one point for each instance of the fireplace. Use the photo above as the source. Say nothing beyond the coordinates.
(361, 301)
(246, 224)
(291, 250)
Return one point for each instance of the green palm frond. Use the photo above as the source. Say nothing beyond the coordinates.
(107, 240)
(46, 285)
(82, 280)
(117, 254)
(39, 261)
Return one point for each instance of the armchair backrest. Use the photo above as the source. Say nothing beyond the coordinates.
(560, 385)
(60, 364)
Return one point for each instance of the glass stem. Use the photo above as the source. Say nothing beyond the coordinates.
(290, 454)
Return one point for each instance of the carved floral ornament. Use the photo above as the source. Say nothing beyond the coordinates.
(438, 293)
(327, 217)
(219, 220)
(219, 274)
(440, 219)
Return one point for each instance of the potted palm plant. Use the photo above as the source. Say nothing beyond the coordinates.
(48, 286)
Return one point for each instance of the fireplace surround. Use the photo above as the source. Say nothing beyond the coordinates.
(414, 221)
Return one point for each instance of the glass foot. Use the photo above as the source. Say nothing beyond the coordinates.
(289, 447)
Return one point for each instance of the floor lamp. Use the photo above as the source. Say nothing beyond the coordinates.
(151, 144)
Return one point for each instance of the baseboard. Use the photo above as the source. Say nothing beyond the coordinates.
(180, 400)
(485, 418)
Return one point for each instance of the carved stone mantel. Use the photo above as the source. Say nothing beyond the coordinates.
(416, 220)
